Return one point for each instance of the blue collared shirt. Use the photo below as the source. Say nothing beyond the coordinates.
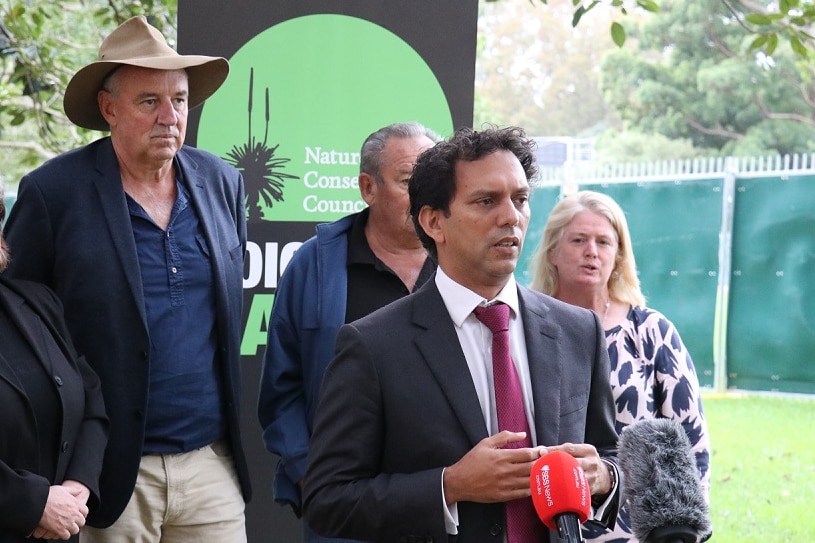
(184, 400)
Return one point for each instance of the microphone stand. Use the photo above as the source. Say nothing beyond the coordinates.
(568, 528)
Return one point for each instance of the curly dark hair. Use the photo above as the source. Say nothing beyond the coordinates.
(433, 182)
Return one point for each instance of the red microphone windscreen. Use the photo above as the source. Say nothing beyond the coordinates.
(559, 486)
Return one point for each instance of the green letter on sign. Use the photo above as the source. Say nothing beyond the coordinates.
(254, 335)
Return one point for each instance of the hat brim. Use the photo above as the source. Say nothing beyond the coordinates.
(206, 74)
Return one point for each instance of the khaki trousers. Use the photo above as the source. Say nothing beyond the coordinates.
(180, 498)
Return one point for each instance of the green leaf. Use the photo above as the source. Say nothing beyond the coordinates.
(758, 19)
(785, 6)
(799, 48)
(618, 34)
(582, 10)
(772, 43)
(578, 13)
(759, 42)
(18, 119)
(648, 5)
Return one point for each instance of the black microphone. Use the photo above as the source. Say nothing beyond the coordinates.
(560, 494)
(661, 483)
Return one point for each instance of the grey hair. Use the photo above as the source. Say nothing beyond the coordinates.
(111, 82)
(370, 160)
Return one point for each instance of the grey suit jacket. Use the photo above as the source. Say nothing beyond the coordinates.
(70, 229)
(398, 405)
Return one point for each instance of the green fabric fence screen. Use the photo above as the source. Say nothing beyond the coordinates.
(729, 257)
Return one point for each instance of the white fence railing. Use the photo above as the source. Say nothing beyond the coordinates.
(596, 172)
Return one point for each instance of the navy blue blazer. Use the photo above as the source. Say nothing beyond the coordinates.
(76, 453)
(70, 229)
(398, 405)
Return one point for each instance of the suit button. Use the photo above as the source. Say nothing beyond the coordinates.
(58, 380)
(496, 529)
(64, 447)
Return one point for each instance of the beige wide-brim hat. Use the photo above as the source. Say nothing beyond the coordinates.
(137, 43)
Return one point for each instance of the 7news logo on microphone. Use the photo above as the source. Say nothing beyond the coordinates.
(560, 494)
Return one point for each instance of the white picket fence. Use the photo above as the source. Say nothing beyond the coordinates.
(586, 172)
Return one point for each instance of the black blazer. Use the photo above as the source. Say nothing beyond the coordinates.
(398, 405)
(79, 448)
(70, 229)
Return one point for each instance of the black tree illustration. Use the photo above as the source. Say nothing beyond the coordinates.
(260, 168)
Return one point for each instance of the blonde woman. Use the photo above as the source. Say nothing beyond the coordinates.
(585, 258)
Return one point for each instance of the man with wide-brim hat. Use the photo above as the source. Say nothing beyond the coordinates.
(136, 43)
(142, 238)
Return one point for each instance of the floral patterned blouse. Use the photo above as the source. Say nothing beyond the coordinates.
(652, 375)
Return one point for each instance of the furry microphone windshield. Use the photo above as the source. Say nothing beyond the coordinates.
(661, 484)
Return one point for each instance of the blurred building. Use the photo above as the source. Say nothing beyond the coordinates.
(554, 152)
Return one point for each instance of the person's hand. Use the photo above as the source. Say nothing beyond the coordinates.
(596, 471)
(489, 473)
(79, 490)
(65, 513)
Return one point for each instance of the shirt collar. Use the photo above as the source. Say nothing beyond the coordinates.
(359, 252)
(461, 301)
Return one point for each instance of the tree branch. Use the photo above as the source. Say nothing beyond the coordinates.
(713, 131)
(737, 15)
(782, 116)
(30, 145)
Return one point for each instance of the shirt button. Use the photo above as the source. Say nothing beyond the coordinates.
(174, 269)
(58, 380)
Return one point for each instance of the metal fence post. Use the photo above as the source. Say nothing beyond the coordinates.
(723, 289)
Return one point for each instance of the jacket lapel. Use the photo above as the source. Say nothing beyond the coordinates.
(114, 207)
(12, 305)
(442, 353)
(543, 352)
(187, 171)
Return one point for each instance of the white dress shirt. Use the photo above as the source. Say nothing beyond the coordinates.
(476, 342)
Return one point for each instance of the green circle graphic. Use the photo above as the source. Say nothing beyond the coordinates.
(324, 82)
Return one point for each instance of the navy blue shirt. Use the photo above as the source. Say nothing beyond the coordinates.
(184, 400)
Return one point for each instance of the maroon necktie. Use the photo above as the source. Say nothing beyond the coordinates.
(523, 525)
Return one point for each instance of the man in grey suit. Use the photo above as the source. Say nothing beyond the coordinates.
(143, 238)
(407, 444)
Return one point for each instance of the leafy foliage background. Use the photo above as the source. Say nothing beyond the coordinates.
(650, 79)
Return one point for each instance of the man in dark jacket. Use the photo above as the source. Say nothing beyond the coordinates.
(143, 240)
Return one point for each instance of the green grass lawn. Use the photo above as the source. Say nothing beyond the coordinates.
(762, 468)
